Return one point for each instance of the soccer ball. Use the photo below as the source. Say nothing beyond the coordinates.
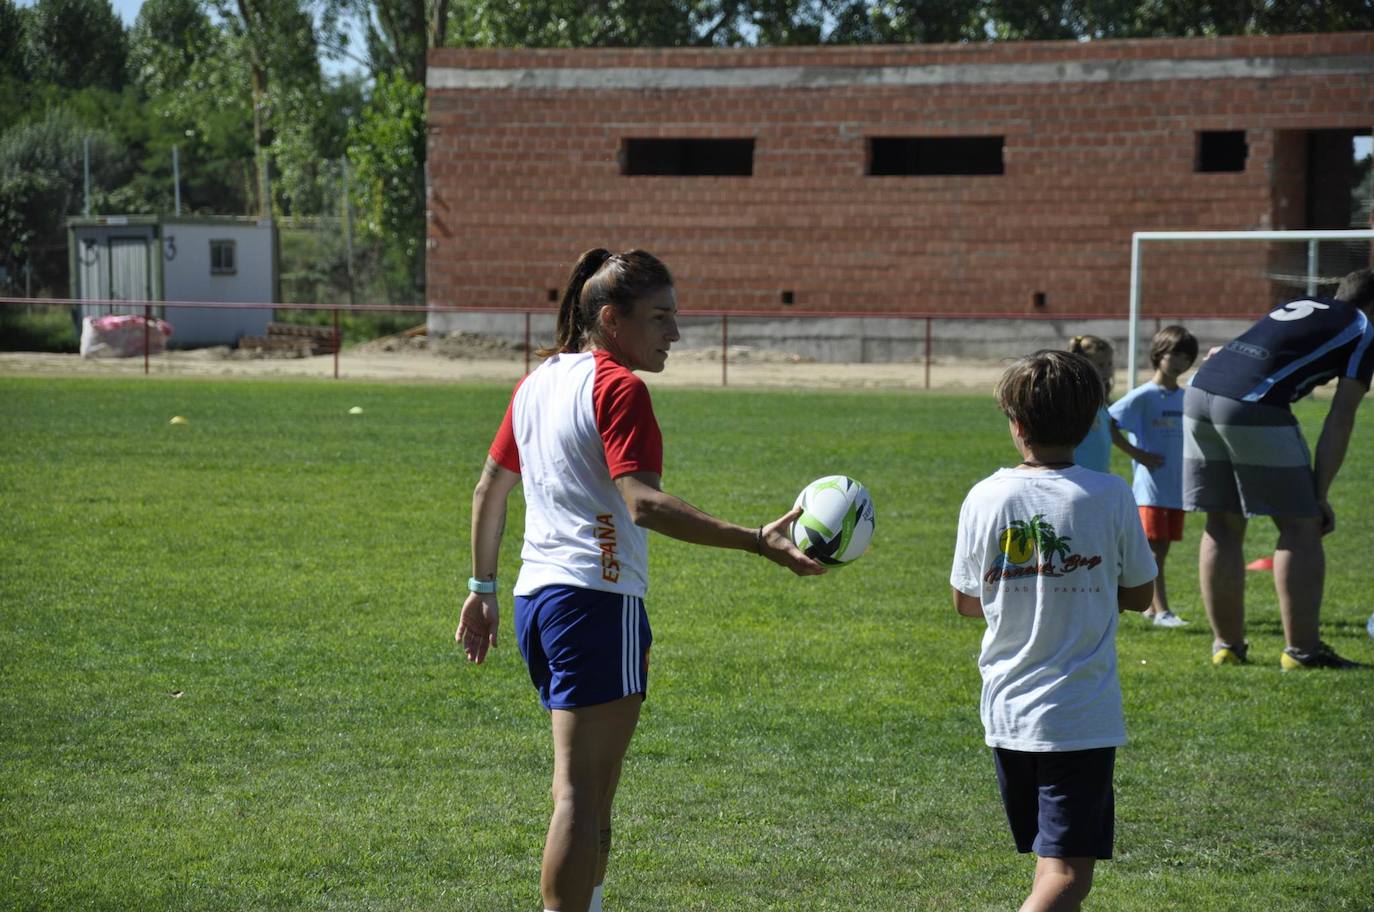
(836, 524)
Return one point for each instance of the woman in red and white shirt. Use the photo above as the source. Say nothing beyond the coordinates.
(581, 438)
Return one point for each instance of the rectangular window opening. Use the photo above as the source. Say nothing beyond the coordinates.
(222, 258)
(687, 157)
(1220, 151)
(893, 156)
(1338, 179)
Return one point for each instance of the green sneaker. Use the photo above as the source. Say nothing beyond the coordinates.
(1321, 657)
(1231, 655)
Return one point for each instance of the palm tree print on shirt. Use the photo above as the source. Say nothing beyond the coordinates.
(1023, 538)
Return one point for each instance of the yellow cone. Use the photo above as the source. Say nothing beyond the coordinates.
(356, 410)
(177, 419)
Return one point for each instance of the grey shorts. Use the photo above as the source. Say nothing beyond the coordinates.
(1244, 457)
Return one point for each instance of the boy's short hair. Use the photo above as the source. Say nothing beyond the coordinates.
(1053, 395)
(1172, 339)
(1357, 288)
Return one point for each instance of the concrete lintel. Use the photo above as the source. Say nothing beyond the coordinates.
(821, 77)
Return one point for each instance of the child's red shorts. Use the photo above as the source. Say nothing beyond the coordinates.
(1162, 523)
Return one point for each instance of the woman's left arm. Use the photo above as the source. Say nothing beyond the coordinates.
(481, 614)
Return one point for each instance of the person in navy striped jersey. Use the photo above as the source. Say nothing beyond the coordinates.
(1244, 455)
(581, 438)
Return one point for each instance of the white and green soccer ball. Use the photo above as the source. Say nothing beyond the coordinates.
(836, 524)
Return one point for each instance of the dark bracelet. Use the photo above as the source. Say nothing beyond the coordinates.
(758, 540)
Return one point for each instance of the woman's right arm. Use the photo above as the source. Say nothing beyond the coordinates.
(481, 614)
(653, 508)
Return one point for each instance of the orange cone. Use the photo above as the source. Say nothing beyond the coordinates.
(1263, 563)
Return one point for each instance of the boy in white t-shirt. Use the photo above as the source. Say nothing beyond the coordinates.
(1049, 553)
(1152, 414)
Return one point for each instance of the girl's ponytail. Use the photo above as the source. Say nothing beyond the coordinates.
(1090, 345)
(570, 331)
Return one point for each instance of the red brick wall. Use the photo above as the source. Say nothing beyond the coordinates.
(524, 179)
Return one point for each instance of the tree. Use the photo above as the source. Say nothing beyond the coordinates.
(1028, 19)
(1304, 16)
(75, 44)
(907, 21)
(41, 167)
(387, 151)
(11, 44)
(386, 142)
(197, 91)
(398, 34)
(604, 23)
(166, 41)
(13, 73)
(275, 40)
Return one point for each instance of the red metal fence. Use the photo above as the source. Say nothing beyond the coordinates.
(924, 321)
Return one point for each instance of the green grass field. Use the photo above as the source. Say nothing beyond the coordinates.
(228, 679)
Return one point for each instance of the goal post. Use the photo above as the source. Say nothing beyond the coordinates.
(1298, 262)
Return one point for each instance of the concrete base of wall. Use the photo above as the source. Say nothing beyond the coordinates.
(867, 339)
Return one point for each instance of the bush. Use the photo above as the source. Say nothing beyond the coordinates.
(38, 329)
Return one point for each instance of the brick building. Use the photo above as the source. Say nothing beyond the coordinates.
(934, 178)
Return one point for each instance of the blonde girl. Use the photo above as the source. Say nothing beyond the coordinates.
(1095, 452)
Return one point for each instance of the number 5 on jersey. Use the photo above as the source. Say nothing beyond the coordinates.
(1296, 310)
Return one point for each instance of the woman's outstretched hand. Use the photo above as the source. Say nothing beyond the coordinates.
(776, 545)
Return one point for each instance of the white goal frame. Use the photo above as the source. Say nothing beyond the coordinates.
(1313, 238)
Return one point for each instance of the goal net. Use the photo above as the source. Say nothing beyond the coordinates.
(1178, 276)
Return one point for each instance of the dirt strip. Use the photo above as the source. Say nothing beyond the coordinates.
(688, 369)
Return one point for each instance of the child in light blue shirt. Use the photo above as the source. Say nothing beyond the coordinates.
(1152, 414)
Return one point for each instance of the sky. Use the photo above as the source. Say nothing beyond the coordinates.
(127, 9)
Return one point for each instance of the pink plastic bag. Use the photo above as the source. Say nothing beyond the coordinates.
(122, 336)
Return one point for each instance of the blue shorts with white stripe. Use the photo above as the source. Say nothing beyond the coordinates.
(583, 646)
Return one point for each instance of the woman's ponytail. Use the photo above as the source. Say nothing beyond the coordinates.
(602, 278)
(570, 331)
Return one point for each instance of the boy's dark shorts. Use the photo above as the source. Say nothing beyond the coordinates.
(1059, 803)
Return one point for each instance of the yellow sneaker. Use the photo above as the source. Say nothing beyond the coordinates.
(1322, 657)
(1230, 655)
